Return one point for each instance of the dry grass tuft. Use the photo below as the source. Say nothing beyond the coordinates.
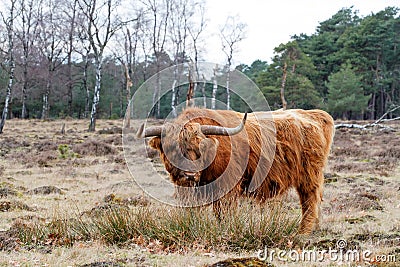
(132, 201)
(9, 240)
(167, 229)
(94, 148)
(115, 140)
(112, 130)
(7, 191)
(10, 205)
(45, 190)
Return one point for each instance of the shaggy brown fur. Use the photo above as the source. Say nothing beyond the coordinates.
(298, 140)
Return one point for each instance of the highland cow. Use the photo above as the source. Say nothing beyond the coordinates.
(260, 155)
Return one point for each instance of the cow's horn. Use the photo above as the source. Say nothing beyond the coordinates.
(151, 131)
(219, 130)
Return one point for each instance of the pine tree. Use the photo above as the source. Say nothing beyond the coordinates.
(345, 93)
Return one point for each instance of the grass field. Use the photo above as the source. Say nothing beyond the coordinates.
(69, 200)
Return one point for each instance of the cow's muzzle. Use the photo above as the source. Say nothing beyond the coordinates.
(192, 176)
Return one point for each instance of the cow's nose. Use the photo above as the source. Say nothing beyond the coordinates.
(190, 176)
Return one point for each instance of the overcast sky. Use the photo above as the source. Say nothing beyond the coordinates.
(272, 22)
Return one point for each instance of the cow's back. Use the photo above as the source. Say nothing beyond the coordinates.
(303, 141)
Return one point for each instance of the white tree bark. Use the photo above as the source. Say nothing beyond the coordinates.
(231, 33)
(45, 105)
(228, 90)
(11, 64)
(101, 27)
(8, 97)
(85, 85)
(173, 99)
(203, 92)
(215, 88)
(96, 94)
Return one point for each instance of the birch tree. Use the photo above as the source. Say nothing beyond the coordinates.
(51, 46)
(71, 14)
(128, 63)
(231, 34)
(9, 23)
(159, 11)
(101, 24)
(84, 49)
(179, 28)
(126, 52)
(27, 34)
(195, 31)
(215, 87)
(185, 30)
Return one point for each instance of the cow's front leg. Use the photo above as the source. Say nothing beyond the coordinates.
(225, 206)
(217, 209)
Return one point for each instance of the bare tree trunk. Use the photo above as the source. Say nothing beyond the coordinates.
(372, 114)
(383, 101)
(96, 95)
(195, 33)
(173, 99)
(11, 63)
(8, 97)
(27, 36)
(51, 49)
(158, 39)
(86, 86)
(45, 106)
(189, 95)
(102, 24)
(228, 92)
(69, 58)
(159, 100)
(130, 47)
(203, 92)
(231, 34)
(128, 85)
(215, 88)
(284, 103)
(156, 95)
(24, 90)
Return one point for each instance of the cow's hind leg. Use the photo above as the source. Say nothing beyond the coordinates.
(310, 201)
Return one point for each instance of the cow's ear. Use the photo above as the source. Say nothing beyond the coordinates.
(155, 143)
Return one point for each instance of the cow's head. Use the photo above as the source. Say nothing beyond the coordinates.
(187, 149)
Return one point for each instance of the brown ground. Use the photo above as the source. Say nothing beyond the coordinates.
(44, 174)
